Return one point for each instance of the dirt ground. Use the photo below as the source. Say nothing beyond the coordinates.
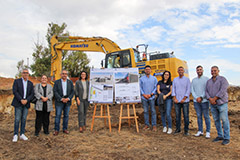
(128, 144)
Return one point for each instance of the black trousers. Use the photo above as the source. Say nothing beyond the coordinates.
(42, 118)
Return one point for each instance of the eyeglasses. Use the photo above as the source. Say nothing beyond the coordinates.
(25, 72)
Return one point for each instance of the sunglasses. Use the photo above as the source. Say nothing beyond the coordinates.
(25, 72)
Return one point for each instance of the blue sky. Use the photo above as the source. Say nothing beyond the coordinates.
(202, 32)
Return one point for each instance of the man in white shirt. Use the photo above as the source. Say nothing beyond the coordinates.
(201, 104)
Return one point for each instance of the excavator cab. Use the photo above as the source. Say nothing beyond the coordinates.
(119, 59)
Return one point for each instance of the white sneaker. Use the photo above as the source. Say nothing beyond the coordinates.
(23, 137)
(169, 131)
(199, 133)
(15, 138)
(164, 129)
(208, 135)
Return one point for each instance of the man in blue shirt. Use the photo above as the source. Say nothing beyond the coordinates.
(148, 86)
(201, 103)
(216, 93)
(180, 92)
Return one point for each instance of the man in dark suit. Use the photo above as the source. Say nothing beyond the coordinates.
(63, 90)
(23, 93)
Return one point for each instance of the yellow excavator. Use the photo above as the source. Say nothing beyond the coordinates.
(115, 56)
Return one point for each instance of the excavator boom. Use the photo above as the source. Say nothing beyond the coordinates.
(92, 44)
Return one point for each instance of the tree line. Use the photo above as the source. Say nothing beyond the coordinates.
(73, 61)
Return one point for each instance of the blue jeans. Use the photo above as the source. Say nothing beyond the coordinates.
(167, 113)
(185, 107)
(65, 108)
(146, 104)
(220, 113)
(202, 109)
(21, 113)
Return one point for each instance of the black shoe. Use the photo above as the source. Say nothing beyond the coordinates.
(225, 142)
(217, 139)
(46, 132)
(186, 134)
(36, 134)
(177, 132)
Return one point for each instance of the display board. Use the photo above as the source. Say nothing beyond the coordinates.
(124, 82)
(127, 88)
(101, 86)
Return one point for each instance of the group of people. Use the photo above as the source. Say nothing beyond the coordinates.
(63, 90)
(165, 93)
(204, 91)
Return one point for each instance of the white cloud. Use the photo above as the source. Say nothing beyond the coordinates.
(232, 46)
(210, 42)
(95, 59)
(8, 67)
(123, 21)
(154, 33)
(225, 67)
(230, 32)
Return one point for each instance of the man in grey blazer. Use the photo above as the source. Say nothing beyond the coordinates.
(63, 91)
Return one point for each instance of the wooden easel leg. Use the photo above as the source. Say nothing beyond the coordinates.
(104, 114)
(101, 111)
(109, 119)
(129, 121)
(135, 117)
(120, 118)
(93, 117)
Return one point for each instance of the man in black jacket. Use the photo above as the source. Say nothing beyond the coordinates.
(23, 94)
(63, 91)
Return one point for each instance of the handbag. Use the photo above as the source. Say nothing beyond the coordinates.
(34, 99)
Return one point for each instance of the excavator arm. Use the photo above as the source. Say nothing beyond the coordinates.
(92, 44)
(115, 57)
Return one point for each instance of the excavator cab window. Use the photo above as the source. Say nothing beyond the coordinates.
(119, 59)
(126, 59)
(137, 56)
(113, 60)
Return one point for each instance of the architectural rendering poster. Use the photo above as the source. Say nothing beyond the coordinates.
(101, 86)
(127, 88)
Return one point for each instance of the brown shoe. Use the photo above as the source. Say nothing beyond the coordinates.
(66, 131)
(84, 128)
(81, 129)
(55, 133)
(154, 129)
(146, 128)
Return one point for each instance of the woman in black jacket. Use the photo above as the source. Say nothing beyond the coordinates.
(164, 90)
(81, 95)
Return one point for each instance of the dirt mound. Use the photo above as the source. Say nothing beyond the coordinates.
(234, 93)
(6, 83)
